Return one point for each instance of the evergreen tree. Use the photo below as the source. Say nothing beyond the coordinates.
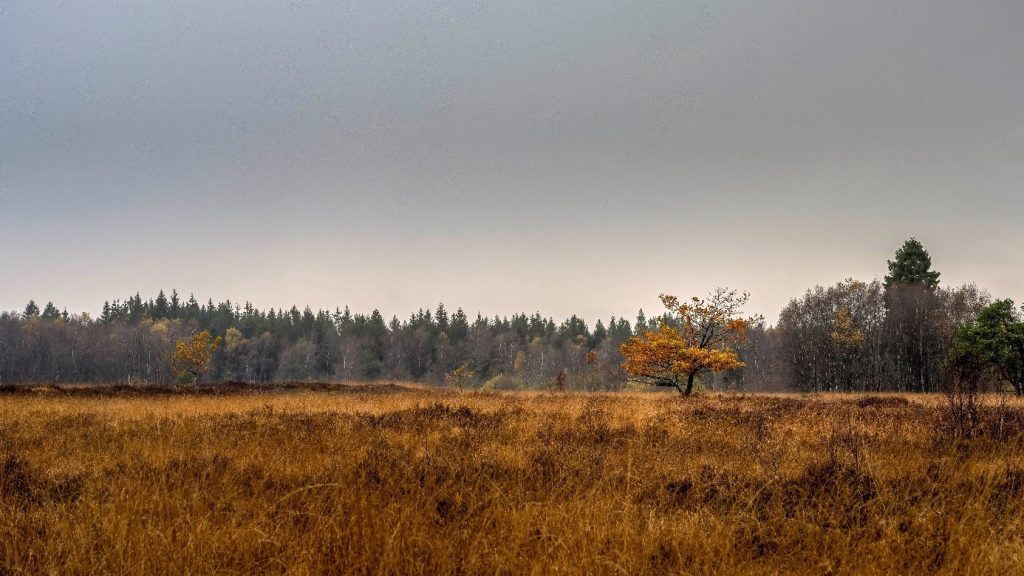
(912, 336)
(50, 312)
(161, 307)
(620, 329)
(600, 333)
(912, 266)
(192, 310)
(343, 321)
(135, 308)
(175, 305)
(108, 314)
(996, 340)
(459, 327)
(441, 318)
(374, 349)
(308, 321)
(31, 310)
(641, 322)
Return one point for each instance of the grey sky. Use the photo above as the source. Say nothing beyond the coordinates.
(568, 157)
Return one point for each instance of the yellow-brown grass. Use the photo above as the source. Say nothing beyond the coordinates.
(421, 482)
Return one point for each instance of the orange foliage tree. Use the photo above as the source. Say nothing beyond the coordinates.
(192, 358)
(695, 337)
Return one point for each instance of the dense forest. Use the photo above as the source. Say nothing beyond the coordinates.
(892, 334)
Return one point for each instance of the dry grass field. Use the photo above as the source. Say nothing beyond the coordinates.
(403, 480)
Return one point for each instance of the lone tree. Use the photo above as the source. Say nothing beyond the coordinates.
(694, 338)
(192, 358)
(995, 340)
(912, 265)
(913, 340)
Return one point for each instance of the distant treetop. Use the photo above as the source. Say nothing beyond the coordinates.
(912, 266)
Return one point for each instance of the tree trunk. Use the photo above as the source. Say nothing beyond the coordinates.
(689, 383)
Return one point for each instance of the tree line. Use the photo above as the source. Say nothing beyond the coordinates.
(133, 341)
(894, 334)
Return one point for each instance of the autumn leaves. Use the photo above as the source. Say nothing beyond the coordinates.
(192, 358)
(693, 338)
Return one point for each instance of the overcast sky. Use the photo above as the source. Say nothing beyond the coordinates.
(567, 157)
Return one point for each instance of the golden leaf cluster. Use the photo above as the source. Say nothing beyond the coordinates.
(192, 358)
(844, 332)
(699, 338)
(665, 353)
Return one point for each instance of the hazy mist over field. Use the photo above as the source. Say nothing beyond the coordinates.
(572, 157)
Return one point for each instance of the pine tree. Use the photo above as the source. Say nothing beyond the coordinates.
(192, 309)
(641, 322)
(161, 308)
(441, 317)
(374, 348)
(459, 327)
(308, 321)
(175, 306)
(343, 320)
(31, 310)
(912, 266)
(135, 308)
(995, 339)
(50, 312)
(912, 336)
(108, 314)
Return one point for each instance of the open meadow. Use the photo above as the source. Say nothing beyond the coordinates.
(392, 479)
